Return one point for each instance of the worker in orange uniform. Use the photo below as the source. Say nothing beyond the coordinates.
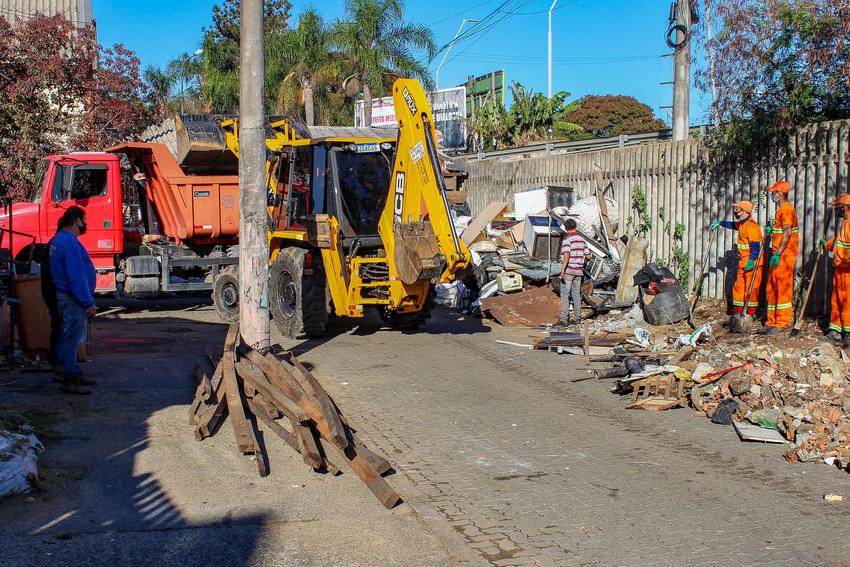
(749, 247)
(784, 245)
(839, 318)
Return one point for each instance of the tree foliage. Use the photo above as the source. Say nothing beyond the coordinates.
(777, 64)
(609, 115)
(379, 45)
(307, 50)
(220, 75)
(62, 92)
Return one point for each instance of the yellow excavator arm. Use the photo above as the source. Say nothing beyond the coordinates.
(416, 215)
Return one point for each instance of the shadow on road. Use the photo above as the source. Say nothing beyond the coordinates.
(115, 487)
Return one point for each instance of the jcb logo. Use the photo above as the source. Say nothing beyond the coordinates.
(398, 203)
(409, 100)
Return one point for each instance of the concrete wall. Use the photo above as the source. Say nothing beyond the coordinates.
(676, 177)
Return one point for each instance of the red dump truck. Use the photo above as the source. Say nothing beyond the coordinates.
(151, 226)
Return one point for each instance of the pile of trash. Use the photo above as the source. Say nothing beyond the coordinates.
(788, 391)
(516, 252)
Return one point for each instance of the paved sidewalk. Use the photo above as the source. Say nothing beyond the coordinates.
(127, 483)
(532, 469)
(501, 459)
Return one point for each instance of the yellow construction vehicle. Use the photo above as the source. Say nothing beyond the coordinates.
(356, 220)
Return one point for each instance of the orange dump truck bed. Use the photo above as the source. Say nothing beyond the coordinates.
(201, 209)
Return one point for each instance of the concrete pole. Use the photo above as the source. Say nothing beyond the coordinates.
(682, 74)
(253, 240)
(710, 37)
(549, 58)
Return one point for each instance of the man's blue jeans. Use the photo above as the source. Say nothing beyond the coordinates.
(73, 317)
(55, 335)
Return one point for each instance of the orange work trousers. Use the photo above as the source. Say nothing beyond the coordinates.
(739, 290)
(780, 292)
(839, 316)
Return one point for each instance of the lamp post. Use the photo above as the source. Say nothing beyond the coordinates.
(549, 37)
(451, 44)
(196, 53)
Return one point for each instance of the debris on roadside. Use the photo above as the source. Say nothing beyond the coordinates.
(18, 461)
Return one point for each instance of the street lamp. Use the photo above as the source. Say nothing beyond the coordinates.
(451, 44)
(196, 53)
(550, 47)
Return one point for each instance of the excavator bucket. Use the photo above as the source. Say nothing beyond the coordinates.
(417, 254)
(201, 144)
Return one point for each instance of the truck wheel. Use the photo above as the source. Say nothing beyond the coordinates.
(225, 295)
(297, 302)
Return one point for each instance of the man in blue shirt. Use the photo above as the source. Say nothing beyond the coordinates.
(74, 277)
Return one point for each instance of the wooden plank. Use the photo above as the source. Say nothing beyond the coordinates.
(212, 416)
(313, 388)
(274, 395)
(287, 388)
(204, 393)
(307, 445)
(480, 222)
(260, 408)
(242, 429)
(378, 462)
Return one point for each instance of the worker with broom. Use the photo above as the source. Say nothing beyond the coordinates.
(747, 283)
(839, 318)
(784, 243)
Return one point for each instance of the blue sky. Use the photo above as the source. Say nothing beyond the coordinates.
(599, 46)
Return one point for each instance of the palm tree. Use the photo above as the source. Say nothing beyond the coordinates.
(378, 43)
(307, 49)
(186, 70)
(161, 82)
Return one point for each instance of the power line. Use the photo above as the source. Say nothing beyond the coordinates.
(462, 12)
(567, 5)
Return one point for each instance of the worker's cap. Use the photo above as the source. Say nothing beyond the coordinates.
(841, 200)
(780, 187)
(744, 205)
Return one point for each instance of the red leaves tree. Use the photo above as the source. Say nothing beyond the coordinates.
(611, 115)
(61, 92)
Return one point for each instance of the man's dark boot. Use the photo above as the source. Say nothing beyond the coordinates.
(57, 373)
(83, 381)
(72, 386)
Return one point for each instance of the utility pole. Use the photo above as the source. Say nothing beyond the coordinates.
(253, 240)
(682, 71)
(549, 59)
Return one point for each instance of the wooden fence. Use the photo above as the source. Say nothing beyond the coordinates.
(680, 183)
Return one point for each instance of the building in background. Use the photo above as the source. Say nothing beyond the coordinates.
(77, 11)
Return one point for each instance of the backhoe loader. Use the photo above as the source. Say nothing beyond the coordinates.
(355, 222)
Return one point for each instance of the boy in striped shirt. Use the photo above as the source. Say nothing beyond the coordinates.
(574, 253)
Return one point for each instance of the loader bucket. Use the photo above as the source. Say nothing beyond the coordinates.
(202, 146)
(417, 253)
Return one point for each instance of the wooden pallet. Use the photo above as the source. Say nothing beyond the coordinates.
(279, 392)
(656, 393)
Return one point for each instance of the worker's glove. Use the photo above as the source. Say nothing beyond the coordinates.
(768, 229)
(774, 260)
(822, 242)
(750, 266)
(714, 226)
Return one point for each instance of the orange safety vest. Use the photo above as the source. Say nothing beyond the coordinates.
(840, 247)
(786, 215)
(748, 232)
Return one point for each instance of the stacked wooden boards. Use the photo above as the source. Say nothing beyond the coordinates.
(279, 392)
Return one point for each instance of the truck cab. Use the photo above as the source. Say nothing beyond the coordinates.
(90, 180)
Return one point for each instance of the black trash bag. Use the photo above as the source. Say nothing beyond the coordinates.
(725, 411)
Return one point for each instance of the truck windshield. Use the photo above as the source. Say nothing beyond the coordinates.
(364, 183)
(38, 188)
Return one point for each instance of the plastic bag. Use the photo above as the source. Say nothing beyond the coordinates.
(18, 462)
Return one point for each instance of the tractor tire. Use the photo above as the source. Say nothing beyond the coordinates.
(409, 321)
(298, 303)
(225, 294)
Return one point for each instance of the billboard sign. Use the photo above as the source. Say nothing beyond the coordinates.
(447, 105)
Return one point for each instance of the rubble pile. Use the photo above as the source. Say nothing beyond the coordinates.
(790, 391)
